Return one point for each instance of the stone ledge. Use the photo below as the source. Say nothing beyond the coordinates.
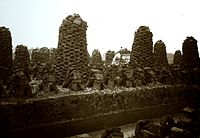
(96, 122)
(35, 112)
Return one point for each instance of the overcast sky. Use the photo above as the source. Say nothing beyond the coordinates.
(111, 23)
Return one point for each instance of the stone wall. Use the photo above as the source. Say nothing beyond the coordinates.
(33, 112)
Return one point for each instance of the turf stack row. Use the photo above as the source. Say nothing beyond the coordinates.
(190, 54)
(6, 61)
(72, 48)
(160, 54)
(142, 48)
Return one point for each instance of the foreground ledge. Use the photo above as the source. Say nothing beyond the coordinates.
(72, 113)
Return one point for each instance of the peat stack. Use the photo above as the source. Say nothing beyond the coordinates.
(178, 58)
(44, 54)
(96, 59)
(160, 55)
(22, 59)
(109, 56)
(72, 48)
(190, 53)
(6, 60)
(142, 48)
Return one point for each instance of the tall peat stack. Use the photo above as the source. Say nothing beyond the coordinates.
(22, 59)
(35, 55)
(160, 55)
(6, 60)
(53, 55)
(109, 56)
(142, 48)
(44, 54)
(72, 48)
(178, 58)
(190, 53)
(96, 58)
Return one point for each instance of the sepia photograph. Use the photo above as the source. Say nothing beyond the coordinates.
(99, 69)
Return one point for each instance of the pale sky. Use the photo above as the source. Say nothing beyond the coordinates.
(111, 23)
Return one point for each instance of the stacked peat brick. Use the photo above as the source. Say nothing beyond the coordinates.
(96, 59)
(44, 54)
(190, 53)
(40, 55)
(72, 48)
(53, 55)
(178, 58)
(109, 56)
(35, 55)
(160, 55)
(6, 60)
(22, 59)
(142, 49)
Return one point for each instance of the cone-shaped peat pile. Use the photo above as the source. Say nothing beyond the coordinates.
(178, 58)
(22, 59)
(6, 60)
(190, 53)
(72, 48)
(44, 54)
(35, 55)
(109, 56)
(160, 54)
(142, 49)
(96, 58)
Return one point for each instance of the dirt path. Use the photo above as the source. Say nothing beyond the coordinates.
(128, 129)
